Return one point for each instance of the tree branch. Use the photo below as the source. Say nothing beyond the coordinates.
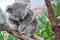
(18, 36)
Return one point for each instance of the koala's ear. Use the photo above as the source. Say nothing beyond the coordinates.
(9, 9)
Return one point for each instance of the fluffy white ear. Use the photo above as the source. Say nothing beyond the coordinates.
(23, 1)
(9, 6)
(9, 9)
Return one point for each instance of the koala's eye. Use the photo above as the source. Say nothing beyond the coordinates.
(9, 10)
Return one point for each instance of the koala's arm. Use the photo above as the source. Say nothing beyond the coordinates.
(34, 21)
(11, 24)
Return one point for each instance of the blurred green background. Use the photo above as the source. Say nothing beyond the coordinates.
(44, 30)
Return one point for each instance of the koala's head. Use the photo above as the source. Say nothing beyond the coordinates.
(17, 10)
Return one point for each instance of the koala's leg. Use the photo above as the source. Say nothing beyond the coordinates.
(29, 31)
(25, 33)
(20, 29)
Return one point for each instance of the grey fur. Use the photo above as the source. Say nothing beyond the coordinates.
(22, 20)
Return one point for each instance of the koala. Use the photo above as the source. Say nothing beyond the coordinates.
(15, 13)
(19, 8)
(22, 20)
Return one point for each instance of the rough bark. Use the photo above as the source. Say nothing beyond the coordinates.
(55, 27)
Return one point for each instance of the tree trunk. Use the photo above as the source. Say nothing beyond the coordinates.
(55, 27)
